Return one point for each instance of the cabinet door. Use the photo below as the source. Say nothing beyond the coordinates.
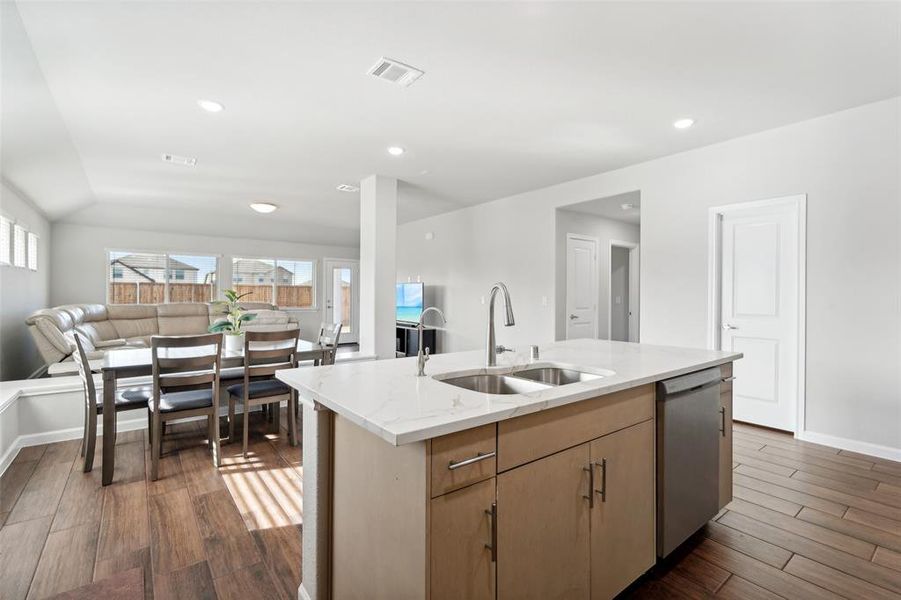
(726, 436)
(460, 528)
(543, 528)
(623, 511)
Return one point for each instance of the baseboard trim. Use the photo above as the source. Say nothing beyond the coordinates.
(886, 452)
(75, 433)
(60, 435)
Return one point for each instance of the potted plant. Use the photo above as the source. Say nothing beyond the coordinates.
(233, 323)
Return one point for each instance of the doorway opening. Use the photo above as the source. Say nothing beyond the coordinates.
(589, 237)
(622, 305)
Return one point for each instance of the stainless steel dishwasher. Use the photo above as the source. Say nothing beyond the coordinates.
(688, 431)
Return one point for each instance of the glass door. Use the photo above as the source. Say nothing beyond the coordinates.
(342, 297)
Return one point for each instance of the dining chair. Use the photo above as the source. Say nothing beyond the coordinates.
(185, 384)
(329, 334)
(265, 352)
(132, 398)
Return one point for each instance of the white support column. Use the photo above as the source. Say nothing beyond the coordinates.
(378, 264)
(317, 443)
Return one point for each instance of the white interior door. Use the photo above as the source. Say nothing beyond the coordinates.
(342, 297)
(760, 263)
(581, 287)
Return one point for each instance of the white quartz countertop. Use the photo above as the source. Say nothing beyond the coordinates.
(388, 399)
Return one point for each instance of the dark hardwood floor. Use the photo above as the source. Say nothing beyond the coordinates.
(195, 533)
(807, 522)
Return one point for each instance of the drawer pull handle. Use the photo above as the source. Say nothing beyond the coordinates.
(478, 457)
(603, 490)
(723, 421)
(728, 379)
(493, 524)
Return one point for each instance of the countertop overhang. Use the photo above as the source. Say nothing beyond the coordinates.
(388, 399)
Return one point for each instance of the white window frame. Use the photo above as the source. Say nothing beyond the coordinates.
(167, 254)
(29, 253)
(16, 257)
(314, 278)
(8, 223)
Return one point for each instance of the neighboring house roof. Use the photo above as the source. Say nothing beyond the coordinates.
(145, 262)
(252, 267)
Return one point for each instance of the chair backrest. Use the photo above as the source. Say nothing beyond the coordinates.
(329, 334)
(267, 351)
(185, 362)
(84, 371)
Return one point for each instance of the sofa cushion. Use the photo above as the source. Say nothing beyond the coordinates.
(133, 320)
(182, 319)
(75, 311)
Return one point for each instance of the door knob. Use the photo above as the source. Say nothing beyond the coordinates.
(729, 326)
(573, 317)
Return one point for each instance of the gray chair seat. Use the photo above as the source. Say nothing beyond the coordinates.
(188, 400)
(260, 389)
(129, 398)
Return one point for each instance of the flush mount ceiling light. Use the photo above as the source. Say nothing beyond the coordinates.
(174, 159)
(395, 150)
(683, 123)
(263, 207)
(211, 106)
(347, 188)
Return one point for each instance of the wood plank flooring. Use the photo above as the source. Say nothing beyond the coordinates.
(195, 533)
(807, 521)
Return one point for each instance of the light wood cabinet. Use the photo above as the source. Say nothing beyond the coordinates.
(543, 528)
(725, 495)
(460, 537)
(462, 458)
(622, 515)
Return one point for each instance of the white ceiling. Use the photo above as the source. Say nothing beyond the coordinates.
(611, 207)
(515, 96)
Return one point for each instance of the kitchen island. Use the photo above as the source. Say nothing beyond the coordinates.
(417, 488)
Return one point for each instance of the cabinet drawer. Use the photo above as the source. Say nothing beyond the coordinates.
(450, 469)
(533, 436)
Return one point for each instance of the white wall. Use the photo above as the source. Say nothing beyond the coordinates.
(22, 291)
(848, 165)
(79, 261)
(602, 229)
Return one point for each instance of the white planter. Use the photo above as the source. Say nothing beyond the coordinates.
(234, 343)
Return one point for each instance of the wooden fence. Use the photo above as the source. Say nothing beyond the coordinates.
(297, 296)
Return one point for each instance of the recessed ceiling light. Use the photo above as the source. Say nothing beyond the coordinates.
(347, 188)
(211, 106)
(395, 150)
(684, 123)
(263, 207)
(627, 206)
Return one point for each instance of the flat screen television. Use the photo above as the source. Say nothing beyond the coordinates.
(408, 302)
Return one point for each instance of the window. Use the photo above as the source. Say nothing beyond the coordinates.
(19, 246)
(32, 251)
(286, 283)
(6, 241)
(159, 277)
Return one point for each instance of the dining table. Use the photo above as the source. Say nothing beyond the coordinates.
(137, 362)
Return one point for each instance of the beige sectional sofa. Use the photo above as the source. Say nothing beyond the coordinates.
(105, 326)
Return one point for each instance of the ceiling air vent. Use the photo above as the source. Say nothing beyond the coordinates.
(347, 188)
(185, 161)
(395, 72)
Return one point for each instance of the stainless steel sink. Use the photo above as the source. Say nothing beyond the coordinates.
(555, 375)
(496, 384)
